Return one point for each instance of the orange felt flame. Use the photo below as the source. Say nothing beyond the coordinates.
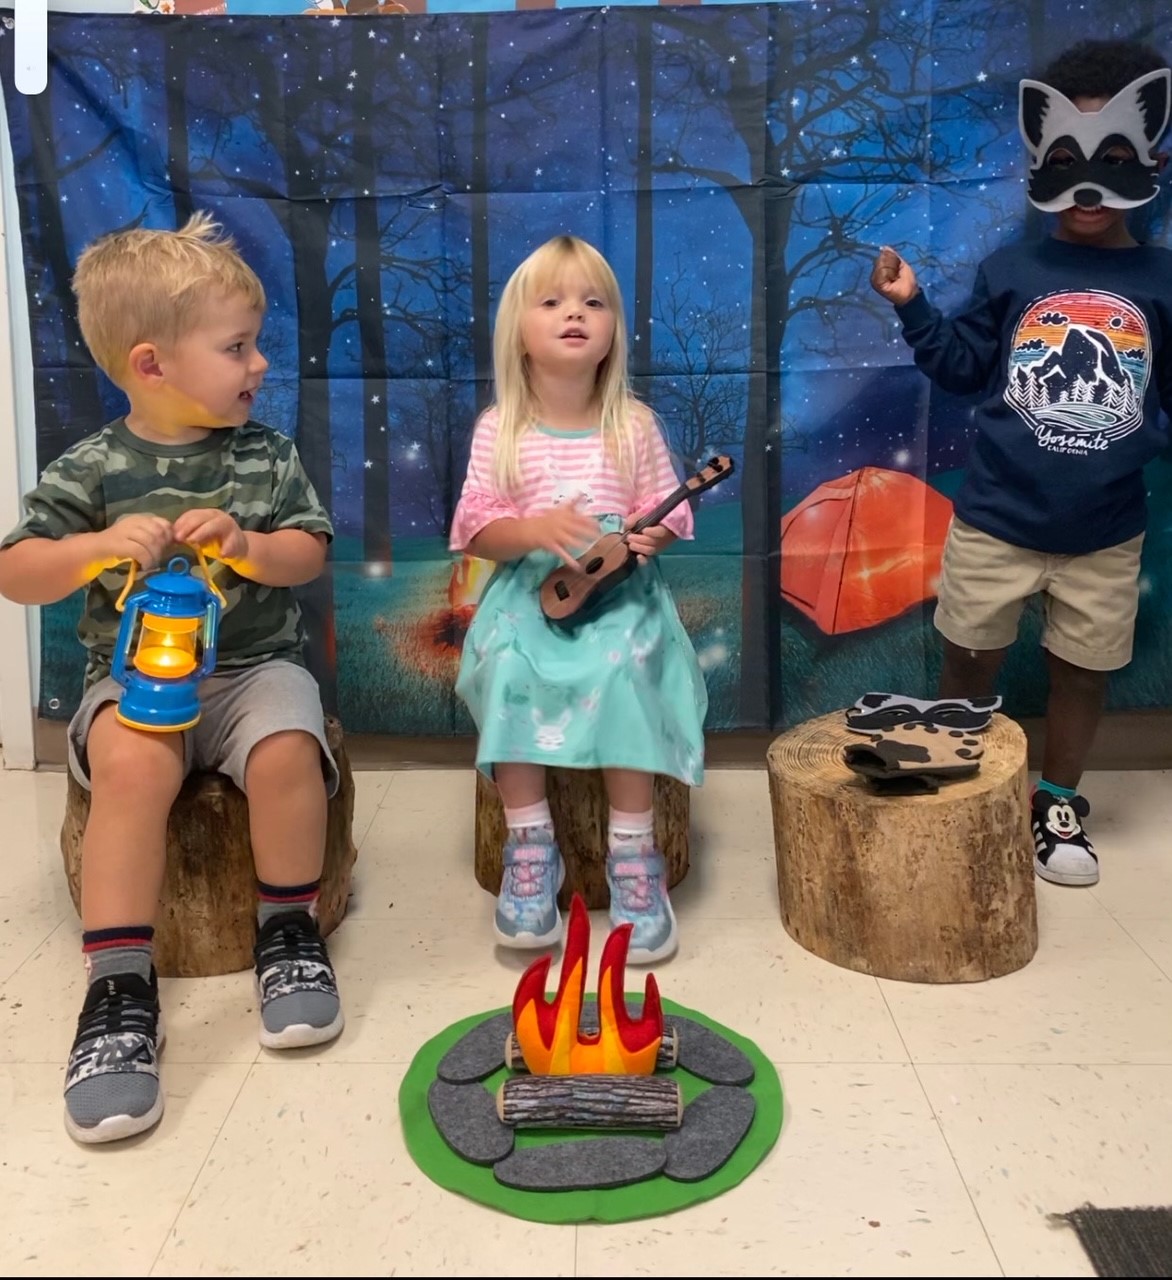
(548, 1031)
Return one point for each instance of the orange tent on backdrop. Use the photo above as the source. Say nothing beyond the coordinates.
(863, 548)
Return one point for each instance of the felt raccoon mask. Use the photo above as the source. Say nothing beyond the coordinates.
(1135, 118)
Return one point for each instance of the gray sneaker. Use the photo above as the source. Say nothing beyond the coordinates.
(299, 1002)
(112, 1085)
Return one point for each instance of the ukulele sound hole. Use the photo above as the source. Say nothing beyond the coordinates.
(561, 590)
(593, 566)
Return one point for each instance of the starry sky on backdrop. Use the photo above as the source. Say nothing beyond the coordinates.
(806, 134)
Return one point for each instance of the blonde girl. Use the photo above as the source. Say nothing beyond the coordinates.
(566, 453)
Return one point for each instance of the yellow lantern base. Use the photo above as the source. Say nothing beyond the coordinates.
(154, 728)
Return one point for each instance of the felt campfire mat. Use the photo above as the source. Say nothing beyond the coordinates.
(649, 1198)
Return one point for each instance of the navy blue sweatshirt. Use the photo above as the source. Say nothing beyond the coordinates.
(1072, 347)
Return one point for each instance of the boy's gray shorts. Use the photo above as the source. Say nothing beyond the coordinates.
(238, 710)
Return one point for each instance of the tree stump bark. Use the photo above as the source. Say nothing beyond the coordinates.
(924, 888)
(577, 800)
(207, 913)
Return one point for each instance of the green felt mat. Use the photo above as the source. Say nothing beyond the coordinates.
(646, 1199)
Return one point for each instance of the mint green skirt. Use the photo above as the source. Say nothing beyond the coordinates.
(621, 690)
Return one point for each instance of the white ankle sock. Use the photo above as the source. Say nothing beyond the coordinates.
(630, 834)
(530, 816)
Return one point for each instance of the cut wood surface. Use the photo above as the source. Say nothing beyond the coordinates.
(936, 888)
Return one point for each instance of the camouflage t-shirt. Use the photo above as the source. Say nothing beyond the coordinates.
(252, 472)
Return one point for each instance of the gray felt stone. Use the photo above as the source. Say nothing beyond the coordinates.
(712, 1129)
(478, 1053)
(579, 1166)
(709, 1056)
(465, 1115)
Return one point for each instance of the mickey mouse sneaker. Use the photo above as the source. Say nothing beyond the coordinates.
(1063, 853)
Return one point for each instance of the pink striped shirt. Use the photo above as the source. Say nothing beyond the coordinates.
(556, 467)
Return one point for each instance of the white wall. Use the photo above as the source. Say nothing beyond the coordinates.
(20, 628)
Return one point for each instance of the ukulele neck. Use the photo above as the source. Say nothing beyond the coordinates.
(716, 471)
(669, 504)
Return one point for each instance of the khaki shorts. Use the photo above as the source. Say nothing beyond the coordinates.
(1090, 601)
(238, 709)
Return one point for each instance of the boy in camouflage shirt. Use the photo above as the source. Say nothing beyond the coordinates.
(173, 317)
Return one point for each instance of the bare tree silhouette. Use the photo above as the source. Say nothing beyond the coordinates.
(812, 97)
(701, 402)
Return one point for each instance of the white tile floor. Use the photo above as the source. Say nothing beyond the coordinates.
(929, 1130)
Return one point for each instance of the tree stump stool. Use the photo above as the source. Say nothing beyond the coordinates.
(207, 913)
(577, 799)
(933, 888)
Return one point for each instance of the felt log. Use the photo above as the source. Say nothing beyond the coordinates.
(590, 1102)
(665, 1060)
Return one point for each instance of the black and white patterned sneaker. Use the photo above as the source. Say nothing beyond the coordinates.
(1063, 853)
(112, 1085)
(299, 1002)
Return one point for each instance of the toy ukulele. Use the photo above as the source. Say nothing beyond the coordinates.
(568, 595)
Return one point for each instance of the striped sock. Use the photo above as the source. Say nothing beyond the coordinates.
(275, 900)
(125, 949)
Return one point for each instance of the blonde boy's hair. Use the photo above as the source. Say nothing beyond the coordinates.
(621, 414)
(151, 286)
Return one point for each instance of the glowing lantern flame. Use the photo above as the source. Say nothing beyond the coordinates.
(548, 1031)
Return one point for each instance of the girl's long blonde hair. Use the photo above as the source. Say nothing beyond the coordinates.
(620, 413)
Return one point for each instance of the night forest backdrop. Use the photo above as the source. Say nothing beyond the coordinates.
(738, 165)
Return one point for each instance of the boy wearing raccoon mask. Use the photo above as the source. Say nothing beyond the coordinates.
(1070, 341)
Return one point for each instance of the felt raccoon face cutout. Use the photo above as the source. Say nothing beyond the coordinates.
(1094, 157)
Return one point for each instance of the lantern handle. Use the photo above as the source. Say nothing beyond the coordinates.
(212, 586)
(120, 603)
(207, 577)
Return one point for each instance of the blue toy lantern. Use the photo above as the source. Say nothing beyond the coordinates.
(171, 624)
